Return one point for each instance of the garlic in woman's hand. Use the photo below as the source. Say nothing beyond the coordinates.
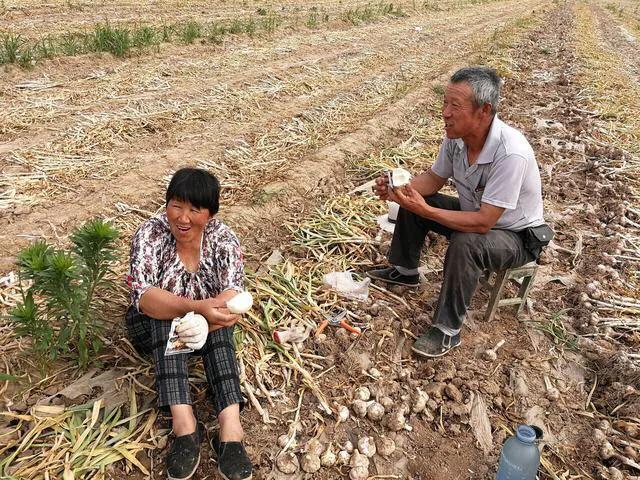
(241, 303)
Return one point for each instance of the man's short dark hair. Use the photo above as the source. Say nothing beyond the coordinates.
(485, 85)
(196, 186)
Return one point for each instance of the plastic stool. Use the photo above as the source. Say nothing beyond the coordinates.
(526, 272)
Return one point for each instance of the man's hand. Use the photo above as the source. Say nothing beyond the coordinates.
(410, 199)
(193, 330)
(381, 187)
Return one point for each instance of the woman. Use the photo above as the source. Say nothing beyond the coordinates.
(184, 260)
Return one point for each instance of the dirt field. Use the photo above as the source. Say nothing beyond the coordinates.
(291, 121)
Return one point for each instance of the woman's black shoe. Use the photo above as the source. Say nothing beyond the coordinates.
(184, 456)
(233, 461)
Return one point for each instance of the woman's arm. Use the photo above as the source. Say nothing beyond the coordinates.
(163, 305)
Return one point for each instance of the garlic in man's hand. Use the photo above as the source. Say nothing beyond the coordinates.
(241, 303)
(399, 177)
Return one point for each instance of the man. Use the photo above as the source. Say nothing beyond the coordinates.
(500, 200)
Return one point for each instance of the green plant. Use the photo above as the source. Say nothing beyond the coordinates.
(191, 31)
(312, 19)
(116, 40)
(236, 27)
(270, 23)
(144, 36)
(69, 44)
(11, 44)
(167, 32)
(555, 328)
(59, 308)
(26, 58)
(45, 48)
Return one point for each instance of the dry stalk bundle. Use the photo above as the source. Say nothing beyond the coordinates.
(286, 296)
(406, 155)
(52, 441)
(343, 227)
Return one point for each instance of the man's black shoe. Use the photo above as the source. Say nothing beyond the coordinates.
(391, 275)
(184, 456)
(233, 461)
(435, 343)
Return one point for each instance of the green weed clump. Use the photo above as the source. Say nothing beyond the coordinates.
(59, 310)
(115, 40)
(11, 47)
(191, 31)
(370, 13)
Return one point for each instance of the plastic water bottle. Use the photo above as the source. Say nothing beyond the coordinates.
(520, 457)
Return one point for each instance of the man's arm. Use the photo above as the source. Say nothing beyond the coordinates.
(428, 183)
(473, 222)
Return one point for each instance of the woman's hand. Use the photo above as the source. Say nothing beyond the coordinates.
(217, 314)
(193, 330)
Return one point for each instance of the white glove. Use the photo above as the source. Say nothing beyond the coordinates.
(193, 330)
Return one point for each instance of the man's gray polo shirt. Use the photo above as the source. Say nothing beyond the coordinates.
(505, 175)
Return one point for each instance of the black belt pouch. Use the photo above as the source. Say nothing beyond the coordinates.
(535, 238)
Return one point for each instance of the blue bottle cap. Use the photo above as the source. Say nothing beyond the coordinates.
(526, 434)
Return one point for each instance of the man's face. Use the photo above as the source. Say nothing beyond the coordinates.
(461, 116)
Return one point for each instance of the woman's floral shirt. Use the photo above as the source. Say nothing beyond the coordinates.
(155, 262)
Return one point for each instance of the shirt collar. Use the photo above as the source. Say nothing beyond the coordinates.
(491, 144)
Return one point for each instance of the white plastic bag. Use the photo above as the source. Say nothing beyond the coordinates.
(344, 283)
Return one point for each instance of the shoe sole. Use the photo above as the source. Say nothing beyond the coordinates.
(227, 478)
(429, 355)
(169, 477)
(393, 282)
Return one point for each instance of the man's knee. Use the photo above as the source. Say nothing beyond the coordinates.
(463, 242)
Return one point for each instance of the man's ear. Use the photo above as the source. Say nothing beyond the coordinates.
(487, 110)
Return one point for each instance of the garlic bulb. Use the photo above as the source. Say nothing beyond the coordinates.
(310, 463)
(399, 177)
(385, 446)
(328, 458)
(343, 457)
(314, 447)
(366, 446)
(348, 446)
(387, 403)
(395, 421)
(359, 408)
(287, 463)
(375, 411)
(359, 473)
(363, 394)
(420, 400)
(343, 414)
(282, 440)
(241, 303)
(359, 460)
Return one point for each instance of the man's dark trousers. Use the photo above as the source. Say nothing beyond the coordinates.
(468, 255)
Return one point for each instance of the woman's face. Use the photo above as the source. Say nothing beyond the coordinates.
(186, 221)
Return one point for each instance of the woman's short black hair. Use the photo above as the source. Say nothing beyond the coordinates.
(196, 186)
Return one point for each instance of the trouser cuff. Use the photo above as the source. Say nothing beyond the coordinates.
(448, 330)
